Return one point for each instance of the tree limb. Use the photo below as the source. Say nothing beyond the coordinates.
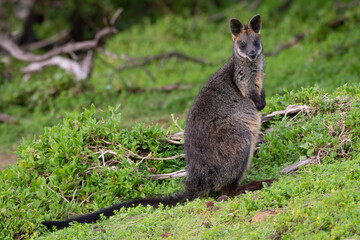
(46, 42)
(167, 88)
(177, 174)
(142, 61)
(286, 45)
(294, 167)
(19, 54)
(291, 109)
(81, 70)
(6, 118)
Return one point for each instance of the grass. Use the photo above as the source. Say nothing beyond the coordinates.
(319, 200)
(317, 207)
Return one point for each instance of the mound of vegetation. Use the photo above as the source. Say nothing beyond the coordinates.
(89, 162)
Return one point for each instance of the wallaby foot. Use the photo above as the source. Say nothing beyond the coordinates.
(253, 186)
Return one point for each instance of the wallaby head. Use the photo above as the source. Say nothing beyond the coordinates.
(247, 40)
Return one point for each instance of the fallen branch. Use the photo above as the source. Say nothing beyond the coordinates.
(167, 88)
(81, 70)
(16, 52)
(47, 42)
(38, 62)
(176, 124)
(6, 118)
(294, 167)
(168, 158)
(340, 5)
(291, 109)
(142, 61)
(338, 22)
(286, 45)
(176, 138)
(177, 174)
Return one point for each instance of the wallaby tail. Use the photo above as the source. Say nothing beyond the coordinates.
(107, 212)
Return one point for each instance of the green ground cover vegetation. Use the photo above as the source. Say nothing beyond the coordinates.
(73, 155)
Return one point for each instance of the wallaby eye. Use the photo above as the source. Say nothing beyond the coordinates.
(257, 43)
(242, 45)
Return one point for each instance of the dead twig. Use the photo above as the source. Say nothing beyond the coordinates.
(47, 42)
(16, 52)
(87, 199)
(6, 118)
(286, 45)
(177, 174)
(142, 61)
(340, 5)
(58, 194)
(81, 70)
(176, 138)
(294, 167)
(291, 109)
(176, 123)
(167, 158)
(167, 88)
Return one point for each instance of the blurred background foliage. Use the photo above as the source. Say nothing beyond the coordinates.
(325, 54)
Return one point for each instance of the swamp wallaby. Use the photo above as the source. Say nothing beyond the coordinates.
(222, 126)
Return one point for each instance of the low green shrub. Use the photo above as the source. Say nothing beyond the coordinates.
(89, 162)
(86, 163)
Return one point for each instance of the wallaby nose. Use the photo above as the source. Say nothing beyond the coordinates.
(252, 54)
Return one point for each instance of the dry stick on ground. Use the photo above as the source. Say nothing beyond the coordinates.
(176, 123)
(142, 61)
(286, 45)
(81, 70)
(46, 42)
(291, 109)
(6, 118)
(177, 174)
(135, 61)
(16, 52)
(294, 167)
(297, 38)
(340, 5)
(167, 88)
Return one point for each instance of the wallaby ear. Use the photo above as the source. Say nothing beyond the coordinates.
(236, 27)
(255, 23)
